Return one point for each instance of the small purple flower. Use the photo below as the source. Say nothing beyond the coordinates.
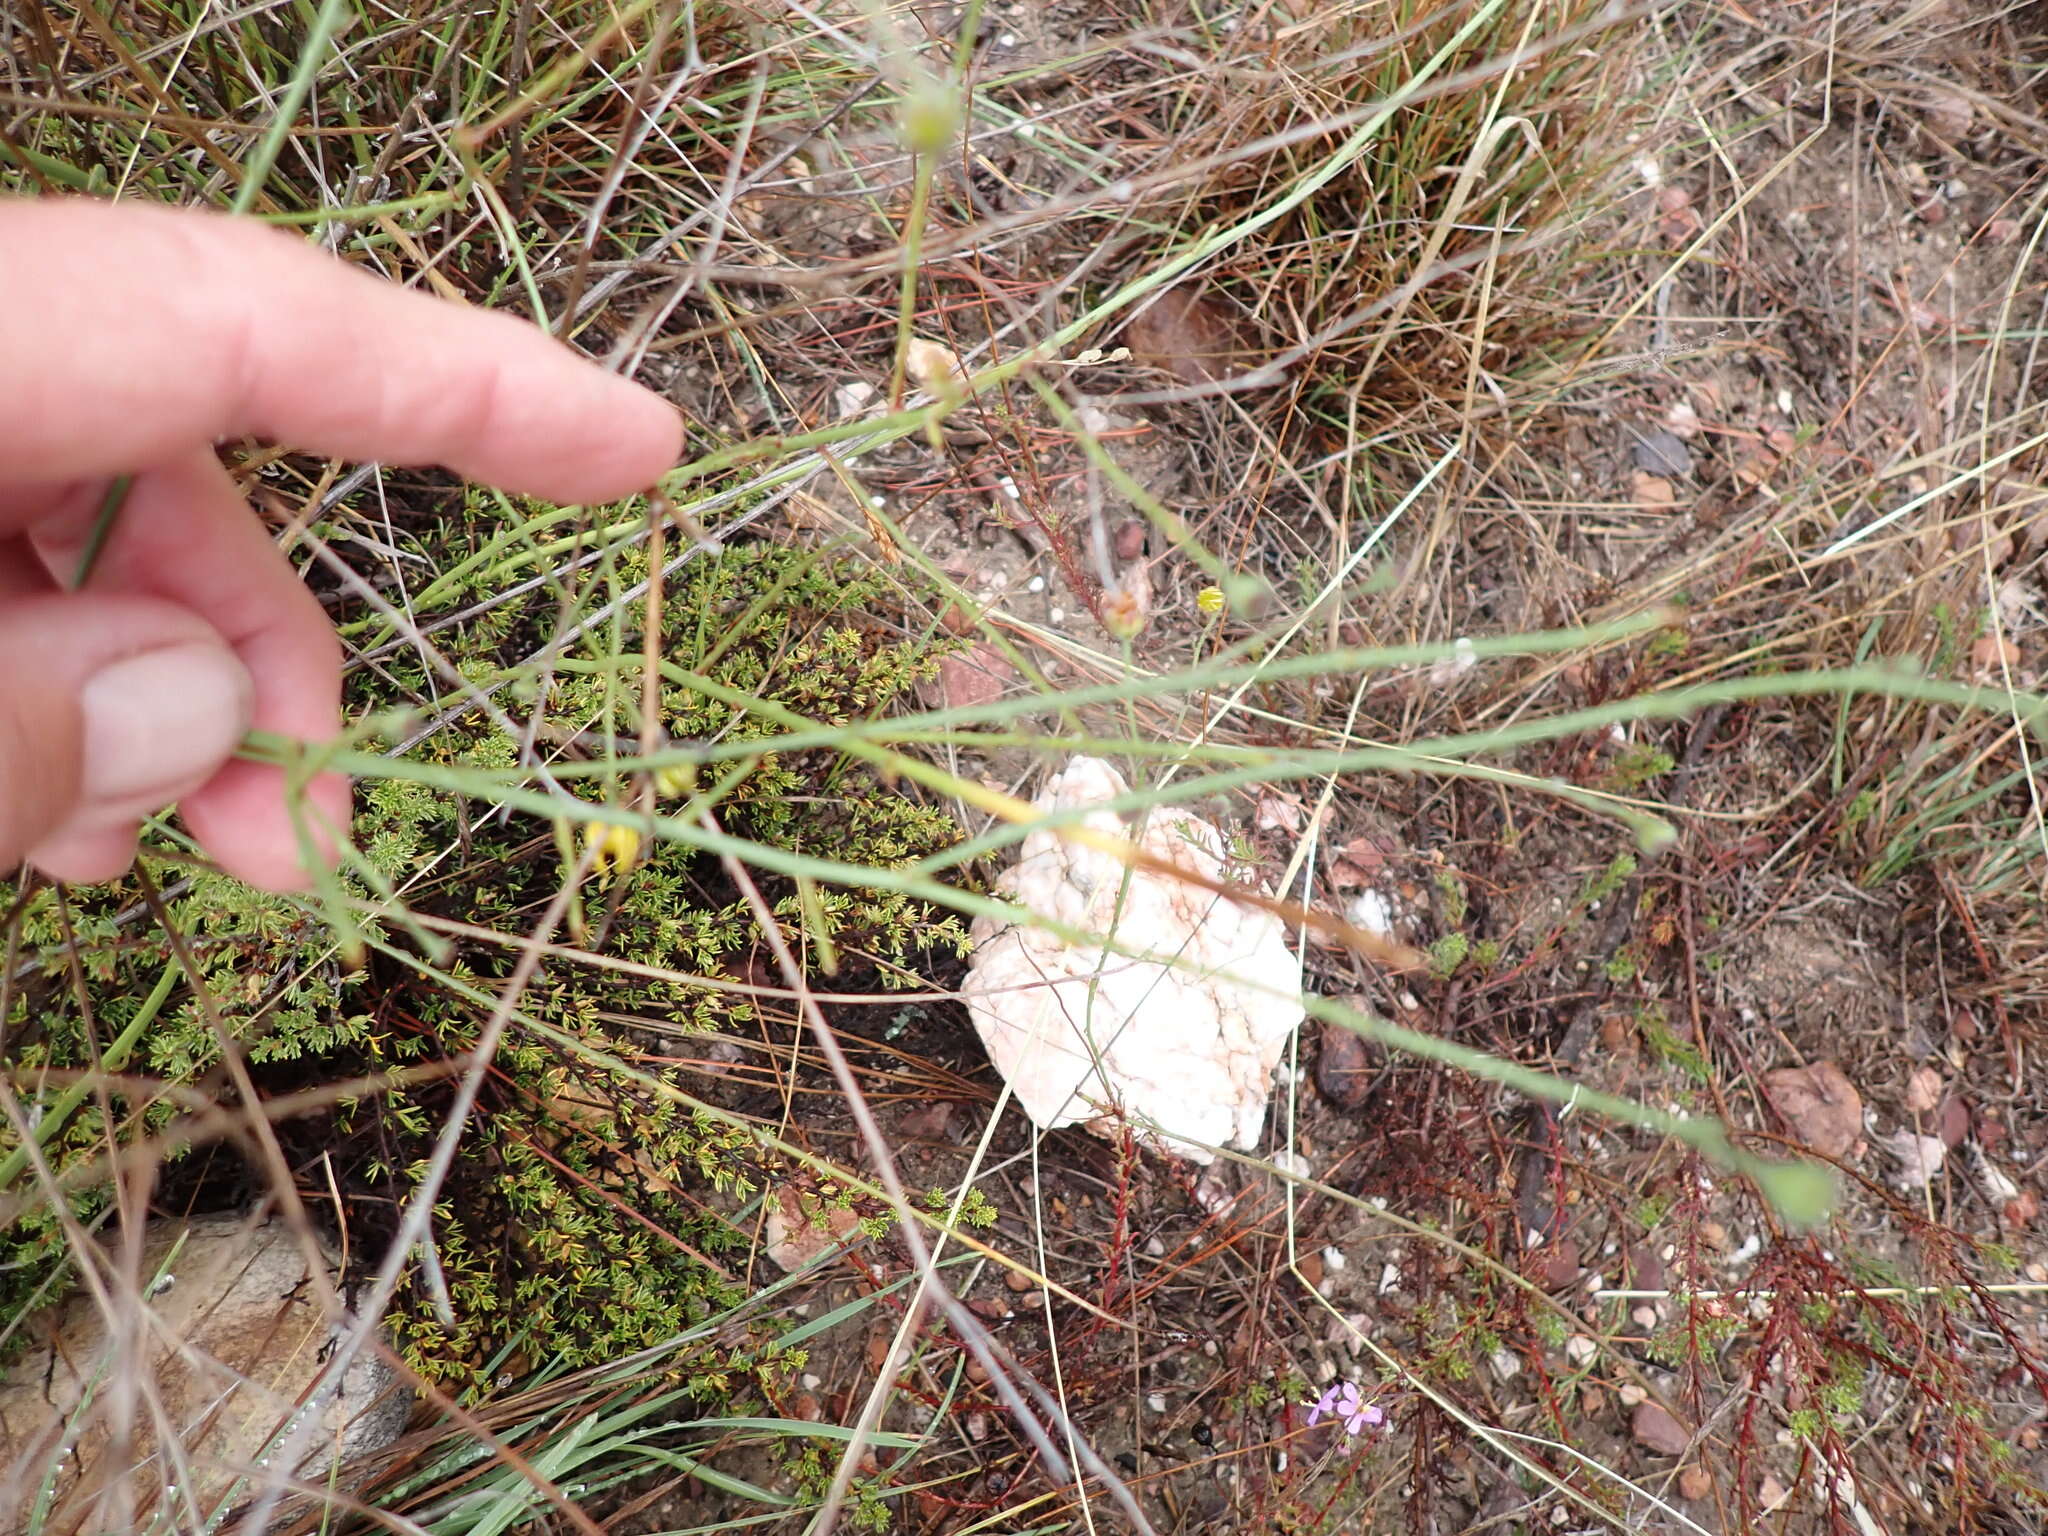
(1324, 1403)
(1344, 1401)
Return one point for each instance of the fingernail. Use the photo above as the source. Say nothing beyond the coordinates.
(158, 725)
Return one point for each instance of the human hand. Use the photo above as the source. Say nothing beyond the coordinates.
(132, 339)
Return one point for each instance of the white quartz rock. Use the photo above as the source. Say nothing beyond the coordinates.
(1180, 1044)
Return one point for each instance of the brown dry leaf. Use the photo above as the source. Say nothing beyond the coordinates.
(1364, 853)
(801, 1228)
(1948, 113)
(2021, 1210)
(1654, 1426)
(876, 1348)
(1346, 876)
(1819, 1104)
(1190, 336)
(1651, 493)
(1923, 1091)
(1991, 654)
(1755, 467)
(1278, 812)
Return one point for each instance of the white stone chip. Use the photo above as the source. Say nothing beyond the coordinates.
(1182, 1042)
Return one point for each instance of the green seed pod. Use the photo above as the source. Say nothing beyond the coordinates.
(931, 113)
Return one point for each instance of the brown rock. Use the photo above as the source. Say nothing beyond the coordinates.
(1695, 1482)
(1018, 1281)
(977, 675)
(927, 1122)
(1346, 1064)
(1556, 1266)
(1130, 539)
(1645, 1270)
(1952, 1122)
(1656, 1428)
(235, 1336)
(1819, 1105)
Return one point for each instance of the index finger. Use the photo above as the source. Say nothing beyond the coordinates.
(131, 333)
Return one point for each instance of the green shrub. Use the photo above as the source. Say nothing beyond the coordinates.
(563, 1237)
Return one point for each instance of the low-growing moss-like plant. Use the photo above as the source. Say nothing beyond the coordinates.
(583, 1219)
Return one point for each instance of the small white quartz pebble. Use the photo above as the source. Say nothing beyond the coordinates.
(1177, 1029)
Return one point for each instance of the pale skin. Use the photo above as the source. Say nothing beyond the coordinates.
(133, 340)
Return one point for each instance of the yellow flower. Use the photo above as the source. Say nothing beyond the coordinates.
(677, 780)
(618, 848)
(1210, 600)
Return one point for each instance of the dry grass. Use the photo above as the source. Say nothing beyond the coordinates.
(1718, 328)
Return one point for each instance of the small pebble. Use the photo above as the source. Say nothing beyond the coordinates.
(1662, 452)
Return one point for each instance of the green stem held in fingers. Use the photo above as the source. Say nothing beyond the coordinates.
(255, 172)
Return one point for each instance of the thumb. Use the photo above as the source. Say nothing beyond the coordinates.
(111, 707)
